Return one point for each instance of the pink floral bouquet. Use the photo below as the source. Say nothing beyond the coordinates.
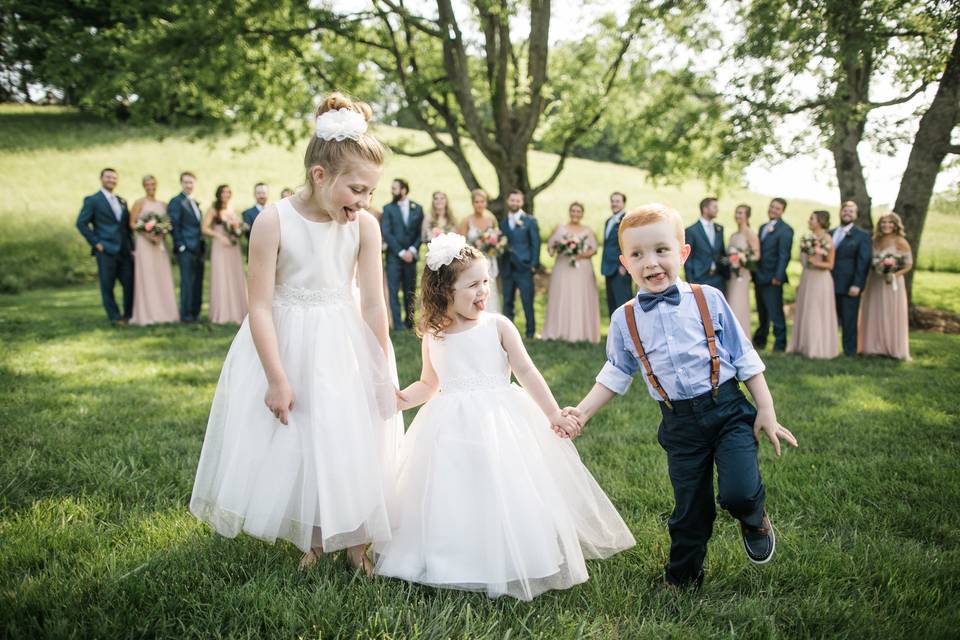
(492, 242)
(154, 223)
(570, 247)
(886, 264)
(739, 259)
(235, 229)
(812, 245)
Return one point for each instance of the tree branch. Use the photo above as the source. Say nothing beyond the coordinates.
(954, 148)
(414, 154)
(900, 100)
(430, 27)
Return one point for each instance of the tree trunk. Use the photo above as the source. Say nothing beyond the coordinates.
(930, 147)
(850, 179)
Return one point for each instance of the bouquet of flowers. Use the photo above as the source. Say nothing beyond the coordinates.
(738, 259)
(811, 245)
(492, 242)
(235, 229)
(154, 223)
(886, 264)
(569, 246)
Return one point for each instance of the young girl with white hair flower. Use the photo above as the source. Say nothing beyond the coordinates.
(304, 430)
(489, 498)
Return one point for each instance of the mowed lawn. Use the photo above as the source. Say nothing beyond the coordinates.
(102, 428)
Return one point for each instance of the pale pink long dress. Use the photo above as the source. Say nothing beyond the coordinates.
(573, 305)
(228, 289)
(738, 287)
(815, 315)
(884, 326)
(154, 300)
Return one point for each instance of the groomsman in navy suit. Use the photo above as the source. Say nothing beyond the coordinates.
(619, 283)
(104, 222)
(260, 194)
(705, 237)
(520, 260)
(854, 253)
(189, 247)
(776, 241)
(401, 227)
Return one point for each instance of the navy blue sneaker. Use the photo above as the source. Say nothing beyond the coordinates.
(760, 542)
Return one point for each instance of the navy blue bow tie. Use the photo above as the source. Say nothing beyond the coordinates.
(650, 300)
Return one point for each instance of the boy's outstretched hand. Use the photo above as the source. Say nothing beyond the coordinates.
(767, 422)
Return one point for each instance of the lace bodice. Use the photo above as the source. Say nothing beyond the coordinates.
(473, 360)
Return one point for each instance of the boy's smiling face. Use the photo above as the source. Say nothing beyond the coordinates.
(652, 255)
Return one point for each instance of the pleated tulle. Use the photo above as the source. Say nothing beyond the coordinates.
(491, 500)
(326, 478)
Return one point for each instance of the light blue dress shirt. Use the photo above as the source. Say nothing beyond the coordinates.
(676, 345)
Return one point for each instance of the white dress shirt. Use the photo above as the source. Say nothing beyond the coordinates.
(710, 230)
(840, 233)
(614, 219)
(113, 202)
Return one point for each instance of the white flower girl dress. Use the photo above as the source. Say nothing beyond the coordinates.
(326, 479)
(489, 497)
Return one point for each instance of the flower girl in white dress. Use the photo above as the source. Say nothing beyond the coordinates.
(489, 497)
(303, 433)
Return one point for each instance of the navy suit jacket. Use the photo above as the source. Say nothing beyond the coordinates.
(610, 260)
(697, 266)
(853, 258)
(523, 244)
(249, 216)
(186, 228)
(774, 253)
(98, 223)
(398, 236)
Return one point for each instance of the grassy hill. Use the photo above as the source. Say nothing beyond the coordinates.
(51, 157)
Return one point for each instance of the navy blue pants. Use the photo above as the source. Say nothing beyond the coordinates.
(619, 290)
(191, 284)
(770, 309)
(848, 309)
(402, 276)
(696, 434)
(513, 279)
(111, 268)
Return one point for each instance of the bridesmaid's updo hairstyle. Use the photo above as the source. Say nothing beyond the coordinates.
(823, 218)
(436, 292)
(337, 156)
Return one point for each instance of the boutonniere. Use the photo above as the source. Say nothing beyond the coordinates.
(519, 221)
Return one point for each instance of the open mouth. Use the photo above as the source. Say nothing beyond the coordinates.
(350, 214)
(656, 278)
(480, 305)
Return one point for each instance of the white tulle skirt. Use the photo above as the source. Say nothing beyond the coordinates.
(325, 479)
(490, 499)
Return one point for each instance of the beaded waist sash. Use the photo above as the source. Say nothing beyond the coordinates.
(476, 382)
(287, 296)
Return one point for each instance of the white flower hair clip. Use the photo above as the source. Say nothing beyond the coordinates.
(341, 124)
(443, 249)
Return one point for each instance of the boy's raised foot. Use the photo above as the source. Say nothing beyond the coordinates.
(760, 542)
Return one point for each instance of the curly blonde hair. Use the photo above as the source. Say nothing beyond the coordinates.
(436, 292)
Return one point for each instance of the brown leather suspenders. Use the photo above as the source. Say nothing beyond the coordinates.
(711, 345)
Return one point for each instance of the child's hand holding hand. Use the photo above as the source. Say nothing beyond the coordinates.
(279, 399)
(767, 422)
(402, 402)
(564, 426)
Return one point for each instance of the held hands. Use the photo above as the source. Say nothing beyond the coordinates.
(853, 292)
(565, 425)
(767, 422)
(279, 399)
(403, 403)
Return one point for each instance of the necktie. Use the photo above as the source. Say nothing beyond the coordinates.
(649, 300)
(115, 205)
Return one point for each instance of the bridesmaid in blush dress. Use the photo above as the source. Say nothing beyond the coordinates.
(228, 289)
(154, 300)
(471, 228)
(884, 328)
(738, 286)
(815, 313)
(573, 305)
(441, 218)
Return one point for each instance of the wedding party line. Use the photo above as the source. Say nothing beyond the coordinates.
(852, 279)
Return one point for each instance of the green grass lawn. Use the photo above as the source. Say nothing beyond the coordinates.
(50, 158)
(102, 427)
